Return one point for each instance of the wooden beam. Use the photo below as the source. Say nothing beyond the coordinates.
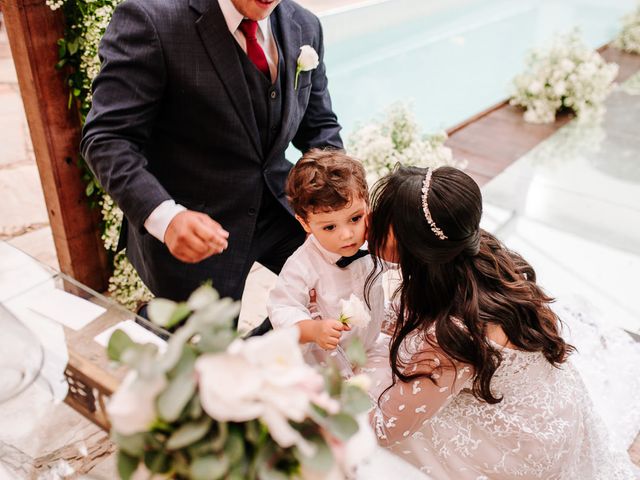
(33, 29)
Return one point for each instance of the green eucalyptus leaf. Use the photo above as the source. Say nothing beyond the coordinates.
(160, 311)
(343, 426)
(61, 64)
(175, 346)
(186, 362)
(220, 439)
(157, 461)
(127, 465)
(238, 472)
(234, 447)
(181, 312)
(209, 467)
(356, 353)
(355, 400)
(195, 409)
(216, 341)
(267, 473)
(253, 431)
(201, 448)
(189, 433)
(132, 445)
(323, 459)
(142, 358)
(221, 313)
(118, 343)
(202, 297)
(173, 400)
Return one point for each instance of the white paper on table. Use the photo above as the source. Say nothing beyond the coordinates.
(137, 333)
(19, 272)
(66, 309)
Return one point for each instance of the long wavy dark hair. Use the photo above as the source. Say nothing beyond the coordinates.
(453, 289)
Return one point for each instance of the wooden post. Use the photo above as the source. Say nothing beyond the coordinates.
(33, 29)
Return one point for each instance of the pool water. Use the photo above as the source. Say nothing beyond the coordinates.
(450, 59)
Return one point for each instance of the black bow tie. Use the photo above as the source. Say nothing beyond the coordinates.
(344, 262)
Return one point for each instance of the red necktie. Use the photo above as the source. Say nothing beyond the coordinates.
(254, 50)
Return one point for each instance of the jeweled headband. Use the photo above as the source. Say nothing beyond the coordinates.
(425, 207)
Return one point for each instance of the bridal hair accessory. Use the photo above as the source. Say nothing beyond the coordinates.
(425, 207)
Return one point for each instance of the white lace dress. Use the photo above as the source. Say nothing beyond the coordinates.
(544, 428)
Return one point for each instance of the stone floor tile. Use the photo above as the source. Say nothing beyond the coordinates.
(39, 244)
(15, 142)
(23, 206)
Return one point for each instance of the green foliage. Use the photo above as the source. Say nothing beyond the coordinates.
(85, 23)
(182, 440)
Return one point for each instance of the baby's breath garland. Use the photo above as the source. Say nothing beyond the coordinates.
(629, 37)
(396, 138)
(565, 74)
(86, 21)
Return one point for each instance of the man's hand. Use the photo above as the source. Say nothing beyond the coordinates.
(193, 236)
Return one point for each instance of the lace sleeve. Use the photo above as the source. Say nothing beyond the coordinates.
(402, 409)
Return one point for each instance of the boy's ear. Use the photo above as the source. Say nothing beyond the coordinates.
(304, 223)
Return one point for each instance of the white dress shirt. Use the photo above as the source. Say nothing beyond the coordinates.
(312, 266)
(160, 218)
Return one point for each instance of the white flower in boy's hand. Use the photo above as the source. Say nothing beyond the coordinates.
(307, 60)
(354, 312)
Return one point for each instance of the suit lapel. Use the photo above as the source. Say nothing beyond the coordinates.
(221, 48)
(290, 41)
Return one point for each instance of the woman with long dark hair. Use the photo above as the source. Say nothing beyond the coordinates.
(475, 382)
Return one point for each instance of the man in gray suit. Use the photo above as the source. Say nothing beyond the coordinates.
(193, 109)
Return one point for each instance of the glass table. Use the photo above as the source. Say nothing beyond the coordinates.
(52, 349)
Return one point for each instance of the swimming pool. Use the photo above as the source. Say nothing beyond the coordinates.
(450, 58)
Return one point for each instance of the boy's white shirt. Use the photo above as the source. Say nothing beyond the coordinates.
(312, 266)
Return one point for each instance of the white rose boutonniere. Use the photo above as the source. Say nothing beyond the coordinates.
(307, 60)
(354, 313)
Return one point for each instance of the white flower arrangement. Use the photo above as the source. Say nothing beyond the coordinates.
(216, 406)
(395, 138)
(566, 74)
(629, 37)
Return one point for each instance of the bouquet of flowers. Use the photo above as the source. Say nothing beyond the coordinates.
(567, 74)
(396, 138)
(629, 37)
(216, 406)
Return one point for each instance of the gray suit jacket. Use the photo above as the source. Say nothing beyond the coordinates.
(172, 118)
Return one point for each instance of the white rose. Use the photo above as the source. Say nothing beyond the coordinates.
(132, 408)
(308, 58)
(229, 387)
(354, 312)
(262, 377)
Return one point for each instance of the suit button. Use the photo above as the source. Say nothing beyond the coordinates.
(251, 212)
(274, 94)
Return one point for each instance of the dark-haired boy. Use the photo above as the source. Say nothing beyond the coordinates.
(329, 195)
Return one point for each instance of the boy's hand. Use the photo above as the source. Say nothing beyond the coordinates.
(328, 333)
